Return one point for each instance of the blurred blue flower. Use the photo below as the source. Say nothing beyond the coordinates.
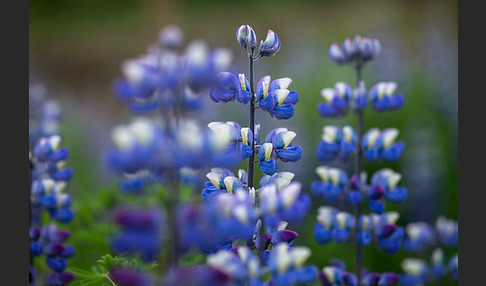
(141, 232)
(336, 143)
(384, 185)
(381, 145)
(336, 101)
(332, 184)
(283, 204)
(383, 97)
(447, 231)
(286, 264)
(356, 51)
(418, 237)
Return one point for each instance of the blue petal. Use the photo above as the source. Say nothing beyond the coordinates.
(397, 195)
(268, 103)
(393, 152)
(327, 152)
(390, 246)
(328, 110)
(56, 264)
(307, 275)
(62, 175)
(340, 235)
(381, 104)
(68, 252)
(64, 216)
(396, 102)
(219, 94)
(243, 96)
(347, 150)
(328, 192)
(208, 194)
(292, 97)
(245, 151)
(291, 154)
(285, 111)
(364, 238)
(354, 197)
(376, 206)
(268, 167)
(321, 234)
(361, 102)
(371, 154)
(284, 235)
(61, 154)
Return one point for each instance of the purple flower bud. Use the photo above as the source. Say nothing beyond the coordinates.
(336, 54)
(271, 45)
(170, 37)
(246, 37)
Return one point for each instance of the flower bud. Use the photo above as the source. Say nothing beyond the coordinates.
(271, 45)
(336, 54)
(246, 37)
(171, 37)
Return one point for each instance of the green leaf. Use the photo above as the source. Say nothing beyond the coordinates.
(89, 281)
(83, 273)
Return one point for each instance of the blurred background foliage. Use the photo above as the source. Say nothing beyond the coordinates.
(76, 48)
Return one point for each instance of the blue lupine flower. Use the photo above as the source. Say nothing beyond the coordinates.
(47, 194)
(221, 181)
(365, 226)
(336, 100)
(218, 222)
(200, 65)
(389, 237)
(343, 225)
(163, 78)
(333, 225)
(332, 184)
(437, 262)
(270, 46)
(383, 96)
(381, 145)
(275, 97)
(281, 140)
(241, 265)
(140, 233)
(354, 196)
(336, 143)
(416, 271)
(384, 184)
(447, 231)
(356, 51)
(283, 204)
(280, 179)
(324, 225)
(137, 144)
(453, 267)
(337, 276)
(419, 236)
(56, 253)
(230, 87)
(287, 266)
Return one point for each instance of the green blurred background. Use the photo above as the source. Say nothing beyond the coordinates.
(76, 48)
